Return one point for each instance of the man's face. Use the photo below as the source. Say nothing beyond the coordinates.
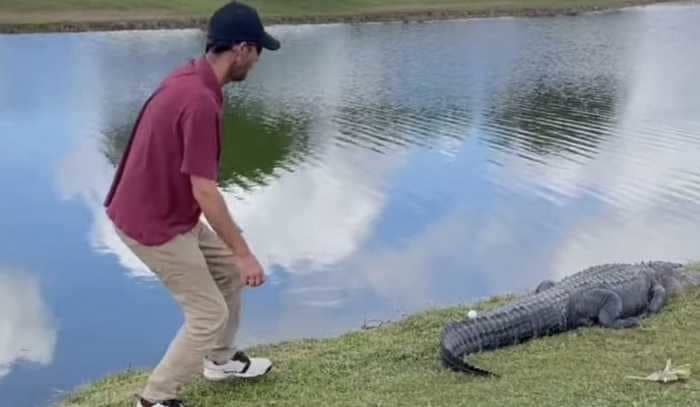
(245, 56)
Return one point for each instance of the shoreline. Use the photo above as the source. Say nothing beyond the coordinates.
(97, 24)
(389, 363)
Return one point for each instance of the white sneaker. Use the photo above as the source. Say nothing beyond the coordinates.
(240, 366)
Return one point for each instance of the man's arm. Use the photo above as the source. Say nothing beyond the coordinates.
(212, 203)
(215, 210)
(200, 135)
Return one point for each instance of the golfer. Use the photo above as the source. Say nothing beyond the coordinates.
(166, 180)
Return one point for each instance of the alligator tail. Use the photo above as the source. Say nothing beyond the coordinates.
(457, 364)
(454, 344)
(510, 325)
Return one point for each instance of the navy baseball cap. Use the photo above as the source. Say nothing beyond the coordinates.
(237, 22)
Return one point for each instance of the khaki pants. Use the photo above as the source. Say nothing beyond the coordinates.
(198, 270)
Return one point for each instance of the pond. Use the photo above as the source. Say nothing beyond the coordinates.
(377, 170)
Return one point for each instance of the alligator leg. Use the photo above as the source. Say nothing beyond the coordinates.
(659, 295)
(611, 309)
(658, 299)
(605, 306)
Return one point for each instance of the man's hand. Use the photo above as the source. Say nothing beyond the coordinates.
(251, 272)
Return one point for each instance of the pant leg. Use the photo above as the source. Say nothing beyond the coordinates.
(220, 260)
(183, 270)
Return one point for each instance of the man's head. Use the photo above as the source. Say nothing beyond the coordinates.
(235, 40)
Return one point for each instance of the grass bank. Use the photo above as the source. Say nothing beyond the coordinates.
(397, 365)
(88, 15)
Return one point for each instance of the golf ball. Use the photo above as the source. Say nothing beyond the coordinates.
(471, 314)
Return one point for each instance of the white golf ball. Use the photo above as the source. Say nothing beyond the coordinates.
(471, 314)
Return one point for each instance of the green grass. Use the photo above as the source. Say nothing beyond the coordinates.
(397, 365)
(38, 13)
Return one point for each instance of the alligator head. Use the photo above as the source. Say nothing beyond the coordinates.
(676, 277)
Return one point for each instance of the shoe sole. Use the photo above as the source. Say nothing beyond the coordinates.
(220, 376)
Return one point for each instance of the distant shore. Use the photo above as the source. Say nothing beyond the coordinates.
(18, 20)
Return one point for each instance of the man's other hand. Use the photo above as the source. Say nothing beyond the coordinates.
(251, 271)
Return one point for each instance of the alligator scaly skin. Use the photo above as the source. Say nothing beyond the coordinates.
(537, 314)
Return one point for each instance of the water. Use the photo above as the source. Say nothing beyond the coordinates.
(377, 170)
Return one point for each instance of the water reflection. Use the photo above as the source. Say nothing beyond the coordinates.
(310, 219)
(257, 144)
(648, 175)
(86, 174)
(554, 118)
(27, 330)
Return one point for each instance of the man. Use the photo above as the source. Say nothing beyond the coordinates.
(165, 181)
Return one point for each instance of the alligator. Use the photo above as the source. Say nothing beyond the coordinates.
(613, 295)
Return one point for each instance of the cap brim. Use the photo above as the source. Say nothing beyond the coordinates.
(270, 42)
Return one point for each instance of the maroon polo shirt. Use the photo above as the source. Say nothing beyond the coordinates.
(178, 134)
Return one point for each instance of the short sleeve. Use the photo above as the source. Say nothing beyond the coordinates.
(200, 132)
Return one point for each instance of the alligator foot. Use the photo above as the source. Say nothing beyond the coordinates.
(632, 322)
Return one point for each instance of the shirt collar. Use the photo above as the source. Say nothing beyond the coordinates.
(205, 71)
